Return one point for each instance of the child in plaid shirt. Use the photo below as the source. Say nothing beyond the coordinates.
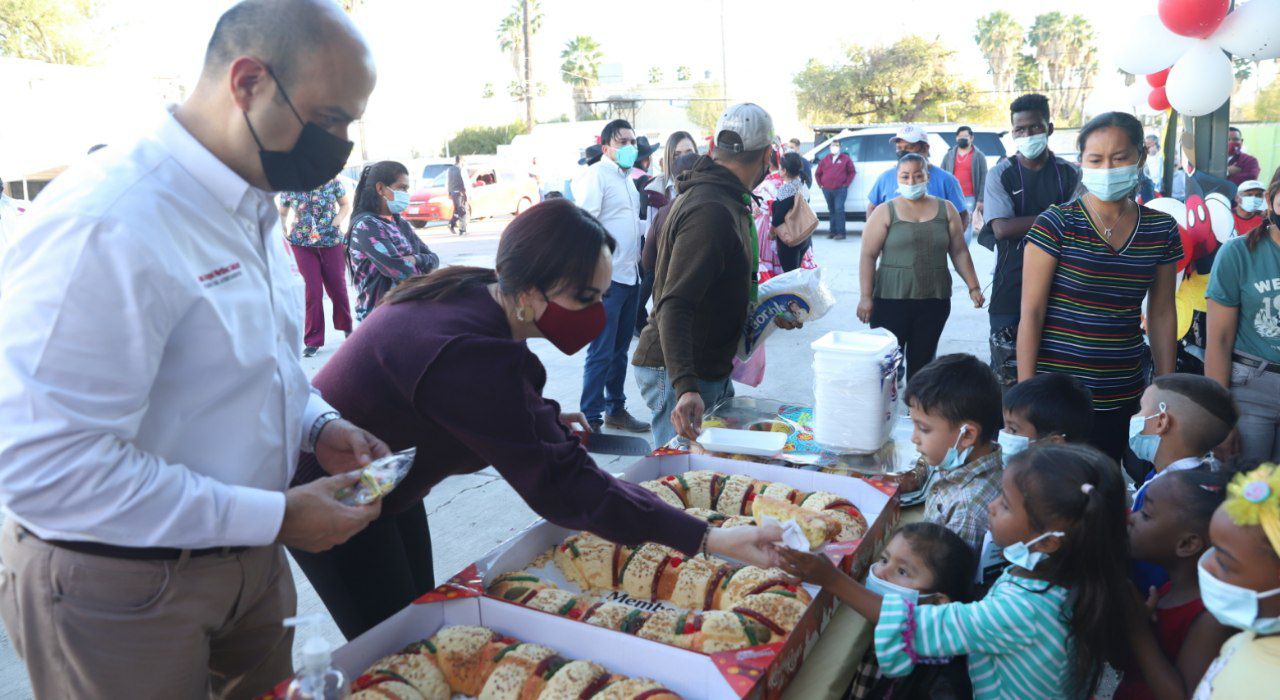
(955, 406)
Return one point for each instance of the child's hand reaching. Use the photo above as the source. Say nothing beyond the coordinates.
(810, 568)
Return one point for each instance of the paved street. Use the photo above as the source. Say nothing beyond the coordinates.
(471, 514)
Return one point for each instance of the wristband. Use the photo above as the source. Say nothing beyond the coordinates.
(314, 435)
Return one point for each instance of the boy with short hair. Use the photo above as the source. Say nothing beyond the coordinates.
(955, 412)
(1050, 408)
(1181, 418)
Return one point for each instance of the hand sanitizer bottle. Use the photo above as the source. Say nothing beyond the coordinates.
(317, 679)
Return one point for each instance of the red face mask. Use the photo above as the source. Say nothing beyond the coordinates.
(568, 330)
(1233, 148)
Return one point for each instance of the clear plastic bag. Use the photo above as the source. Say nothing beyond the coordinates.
(378, 479)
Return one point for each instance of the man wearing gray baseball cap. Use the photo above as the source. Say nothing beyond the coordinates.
(705, 277)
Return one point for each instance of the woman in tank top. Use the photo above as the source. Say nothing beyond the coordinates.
(910, 292)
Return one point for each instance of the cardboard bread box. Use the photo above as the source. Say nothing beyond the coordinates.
(758, 672)
(762, 671)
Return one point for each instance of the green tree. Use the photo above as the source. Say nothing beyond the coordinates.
(581, 70)
(475, 140)
(999, 37)
(683, 73)
(655, 75)
(907, 81)
(1067, 55)
(54, 31)
(706, 106)
(1267, 104)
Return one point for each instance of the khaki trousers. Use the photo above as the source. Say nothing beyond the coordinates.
(100, 627)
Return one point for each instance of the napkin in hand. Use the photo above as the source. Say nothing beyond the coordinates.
(792, 536)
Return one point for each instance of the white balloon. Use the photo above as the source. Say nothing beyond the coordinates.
(1220, 216)
(1252, 31)
(1151, 47)
(1201, 80)
(1173, 207)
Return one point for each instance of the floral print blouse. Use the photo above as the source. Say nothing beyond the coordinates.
(381, 254)
(316, 211)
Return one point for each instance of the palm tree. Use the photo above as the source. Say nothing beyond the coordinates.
(999, 38)
(581, 69)
(515, 34)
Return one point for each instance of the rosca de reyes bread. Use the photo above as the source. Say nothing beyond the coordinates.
(478, 662)
(819, 527)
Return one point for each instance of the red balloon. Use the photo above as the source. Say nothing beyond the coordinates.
(1158, 100)
(1156, 80)
(1194, 18)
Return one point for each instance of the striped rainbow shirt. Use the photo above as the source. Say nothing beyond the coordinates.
(1016, 638)
(1093, 321)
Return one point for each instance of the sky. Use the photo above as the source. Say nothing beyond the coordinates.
(435, 56)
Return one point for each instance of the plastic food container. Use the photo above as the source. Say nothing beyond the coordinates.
(754, 443)
(855, 389)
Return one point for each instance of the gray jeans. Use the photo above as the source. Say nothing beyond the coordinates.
(1258, 395)
(661, 399)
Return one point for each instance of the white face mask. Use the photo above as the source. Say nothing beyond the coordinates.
(881, 587)
(1232, 605)
(1110, 184)
(1020, 554)
(915, 191)
(1011, 444)
(1252, 204)
(1032, 146)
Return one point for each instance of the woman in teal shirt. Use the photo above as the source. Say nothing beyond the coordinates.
(1243, 348)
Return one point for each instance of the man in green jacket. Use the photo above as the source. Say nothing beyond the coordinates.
(705, 278)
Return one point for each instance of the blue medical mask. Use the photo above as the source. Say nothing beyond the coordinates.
(625, 156)
(400, 203)
(913, 191)
(1011, 444)
(881, 587)
(1110, 184)
(955, 457)
(1233, 605)
(1032, 146)
(1020, 554)
(1144, 446)
(1252, 204)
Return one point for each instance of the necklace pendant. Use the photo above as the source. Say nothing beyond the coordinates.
(1106, 233)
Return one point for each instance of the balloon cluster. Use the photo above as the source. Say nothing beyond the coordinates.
(1183, 50)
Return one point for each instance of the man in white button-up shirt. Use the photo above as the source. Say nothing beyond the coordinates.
(608, 193)
(152, 407)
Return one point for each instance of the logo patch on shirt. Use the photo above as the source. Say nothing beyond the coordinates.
(221, 275)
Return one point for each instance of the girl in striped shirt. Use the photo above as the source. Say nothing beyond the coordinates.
(1049, 623)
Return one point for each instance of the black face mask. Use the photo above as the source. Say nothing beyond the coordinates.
(962, 143)
(316, 157)
(900, 153)
(1275, 219)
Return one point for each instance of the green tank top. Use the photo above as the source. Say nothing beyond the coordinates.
(913, 263)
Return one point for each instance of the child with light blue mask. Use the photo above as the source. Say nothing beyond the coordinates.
(954, 403)
(925, 564)
(1048, 408)
(1050, 623)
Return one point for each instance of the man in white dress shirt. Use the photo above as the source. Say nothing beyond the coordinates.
(152, 407)
(608, 193)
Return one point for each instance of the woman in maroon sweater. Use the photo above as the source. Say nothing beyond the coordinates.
(441, 364)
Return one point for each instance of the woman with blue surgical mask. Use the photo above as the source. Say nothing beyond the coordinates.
(909, 292)
(382, 249)
(1087, 267)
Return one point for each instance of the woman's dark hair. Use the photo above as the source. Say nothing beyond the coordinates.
(917, 159)
(669, 151)
(1078, 490)
(552, 246)
(950, 558)
(793, 164)
(367, 199)
(1264, 228)
(1124, 121)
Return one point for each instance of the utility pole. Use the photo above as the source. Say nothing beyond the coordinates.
(528, 69)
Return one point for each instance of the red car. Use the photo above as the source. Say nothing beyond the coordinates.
(490, 192)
